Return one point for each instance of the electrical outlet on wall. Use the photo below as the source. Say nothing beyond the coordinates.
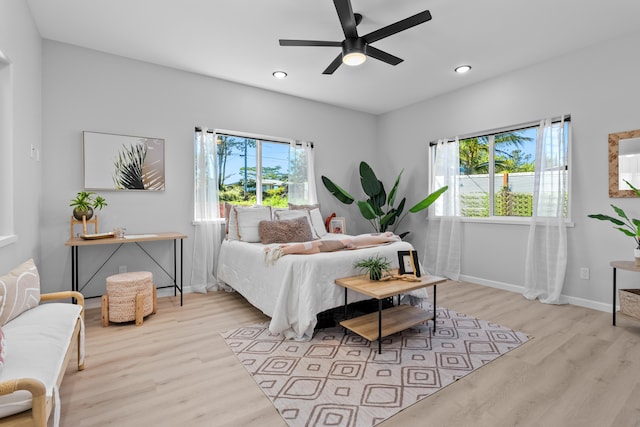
(122, 269)
(584, 273)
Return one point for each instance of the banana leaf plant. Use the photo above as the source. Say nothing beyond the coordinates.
(380, 208)
(629, 226)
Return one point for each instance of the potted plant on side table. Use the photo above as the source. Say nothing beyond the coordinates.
(628, 226)
(375, 266)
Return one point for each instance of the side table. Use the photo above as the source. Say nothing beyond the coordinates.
(624, 265)
(393, 319)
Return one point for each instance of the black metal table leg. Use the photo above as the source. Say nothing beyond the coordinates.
(74, 271)
(434, 308)
(379, 326)
(613, 309)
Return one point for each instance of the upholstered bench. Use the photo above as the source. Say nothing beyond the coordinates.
(130, 296)
(39, 340)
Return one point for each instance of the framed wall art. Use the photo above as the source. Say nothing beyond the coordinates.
(408, 263)
(122, 162)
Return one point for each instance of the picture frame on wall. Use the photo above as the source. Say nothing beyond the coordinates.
(338, 225)
(122, 162)
(408, 263)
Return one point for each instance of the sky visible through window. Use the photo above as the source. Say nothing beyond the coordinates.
(274, 154)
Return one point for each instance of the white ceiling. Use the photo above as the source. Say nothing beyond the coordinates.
(237, 40)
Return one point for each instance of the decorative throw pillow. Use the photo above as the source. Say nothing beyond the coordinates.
(248, 220)
(281, 214)
(232, 229)
(3, 349)
(285, 231)
(317, 222)
(19, 291)
(227, 216)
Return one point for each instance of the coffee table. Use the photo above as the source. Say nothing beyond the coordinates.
(389, 320)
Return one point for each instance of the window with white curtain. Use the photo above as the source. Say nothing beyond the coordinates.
(7, 235)
(253, 170)
(497, 171)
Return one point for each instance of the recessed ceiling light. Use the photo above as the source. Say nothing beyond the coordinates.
(462, 69)
(279, 74)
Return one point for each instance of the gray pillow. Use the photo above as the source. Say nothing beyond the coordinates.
(285, 231)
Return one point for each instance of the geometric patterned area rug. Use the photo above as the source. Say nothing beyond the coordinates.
(340, 380)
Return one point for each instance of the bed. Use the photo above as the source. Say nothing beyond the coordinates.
(295, 289)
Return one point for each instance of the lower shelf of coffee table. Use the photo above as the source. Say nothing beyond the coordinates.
(394, 319)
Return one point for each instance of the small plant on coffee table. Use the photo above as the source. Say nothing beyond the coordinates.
(375, 266)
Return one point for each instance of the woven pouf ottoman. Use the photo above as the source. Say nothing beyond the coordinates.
(130, 296)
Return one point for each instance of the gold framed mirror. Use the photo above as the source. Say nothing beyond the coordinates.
(624, 163)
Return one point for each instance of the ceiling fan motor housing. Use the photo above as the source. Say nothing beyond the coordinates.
(354, 46)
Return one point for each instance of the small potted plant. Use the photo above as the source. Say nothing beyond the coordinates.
(85, 202)
(628, 226)
(375, 266)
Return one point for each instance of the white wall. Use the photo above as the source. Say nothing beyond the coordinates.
(599, 87)
(88, 90)
(20, 43)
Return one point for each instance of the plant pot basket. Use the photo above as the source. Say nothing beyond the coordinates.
(630, 302)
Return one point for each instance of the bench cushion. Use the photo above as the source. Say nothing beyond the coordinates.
(37, 341)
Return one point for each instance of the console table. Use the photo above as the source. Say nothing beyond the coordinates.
(77, 242)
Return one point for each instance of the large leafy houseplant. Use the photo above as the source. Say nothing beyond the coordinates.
(629, 226)
(380, 208)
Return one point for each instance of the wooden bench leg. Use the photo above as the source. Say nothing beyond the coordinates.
(139, 309)
(105, 310)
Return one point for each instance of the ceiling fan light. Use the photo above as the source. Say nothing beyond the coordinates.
(354, 58)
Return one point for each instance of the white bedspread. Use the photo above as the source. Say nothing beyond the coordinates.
(298, 287)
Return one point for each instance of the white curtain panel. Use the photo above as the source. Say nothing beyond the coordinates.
(302, 177)
(444, 234)
(208, 231)
(546, 259)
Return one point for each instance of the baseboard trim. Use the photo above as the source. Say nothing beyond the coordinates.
(580, 302)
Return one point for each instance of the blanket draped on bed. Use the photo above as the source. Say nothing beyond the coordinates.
(297, 287)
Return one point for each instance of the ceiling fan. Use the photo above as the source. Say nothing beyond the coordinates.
(355, 49)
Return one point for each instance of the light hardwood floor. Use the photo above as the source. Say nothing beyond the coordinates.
(176, 370)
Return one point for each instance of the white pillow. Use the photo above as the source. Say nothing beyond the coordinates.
(247, 220)
(280, 214)
(318, 222)
(233, 230)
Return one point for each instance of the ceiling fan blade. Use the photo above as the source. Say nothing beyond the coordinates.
(334, 65)
(383, 56)
(309, 43)
(347, 18)
(405, 24)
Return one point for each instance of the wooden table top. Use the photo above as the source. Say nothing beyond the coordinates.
(147, 237)
(625, 265)
(386, 288)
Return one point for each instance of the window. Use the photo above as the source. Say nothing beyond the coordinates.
(253, 170)
(6, 153)
(497, 170)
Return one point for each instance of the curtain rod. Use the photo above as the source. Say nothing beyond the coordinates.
(252, 136)
(521, 126)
